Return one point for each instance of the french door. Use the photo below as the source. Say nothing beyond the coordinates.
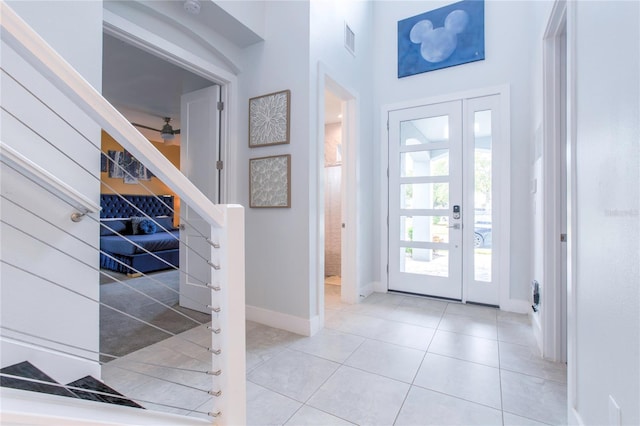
(442, 219)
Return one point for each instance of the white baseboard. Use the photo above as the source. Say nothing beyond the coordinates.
(537, 329)
(302, 326)
(517, 306)
(367, 289)
(574, 417)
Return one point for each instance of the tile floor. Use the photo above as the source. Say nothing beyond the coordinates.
(390, 360)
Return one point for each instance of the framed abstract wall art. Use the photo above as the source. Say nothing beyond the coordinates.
(445, 37)
(269, 119)
(270, 181)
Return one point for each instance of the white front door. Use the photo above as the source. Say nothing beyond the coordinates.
(199, 152)
(441, 199)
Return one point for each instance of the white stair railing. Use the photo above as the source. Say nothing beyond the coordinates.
(226, 221)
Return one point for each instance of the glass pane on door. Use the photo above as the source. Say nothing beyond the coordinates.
(482, 196)
(425, 130)
(424, 229)
(421, 261)
(424, 163)
(424, 195)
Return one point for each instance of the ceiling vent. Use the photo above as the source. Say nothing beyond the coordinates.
(349, 39)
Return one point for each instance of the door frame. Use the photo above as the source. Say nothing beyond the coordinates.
(503, 159)
(554, 295)
(152, 43)
(350, 99)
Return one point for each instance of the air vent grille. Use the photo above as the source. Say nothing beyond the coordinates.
(349, 39)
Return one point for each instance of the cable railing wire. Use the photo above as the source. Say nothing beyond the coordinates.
(99, 353)
(75, 355)
(203, 284)
(111, 395)
(97, 301)
(116, 279)
(185, 222)
(71, 126)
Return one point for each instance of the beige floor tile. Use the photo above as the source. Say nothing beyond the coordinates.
(293, 374)
(360, 397)
(388, 360)
(533, 397)
(425, 407)
(467, 380)
(468, 348)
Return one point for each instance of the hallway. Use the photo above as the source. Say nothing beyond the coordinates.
(404, 360)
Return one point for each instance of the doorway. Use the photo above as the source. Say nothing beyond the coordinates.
(145, 82)
(446, 230)
(333, 193)
(345, 102)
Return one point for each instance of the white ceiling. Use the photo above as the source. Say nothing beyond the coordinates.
(143, 87)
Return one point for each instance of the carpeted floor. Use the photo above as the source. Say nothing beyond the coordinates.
(120, 335)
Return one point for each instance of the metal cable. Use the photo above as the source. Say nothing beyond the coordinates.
(98, 270)
(76, 130)
(108, 254)
(67, 387)
(98, 302)
(115, 357)
(97, 220)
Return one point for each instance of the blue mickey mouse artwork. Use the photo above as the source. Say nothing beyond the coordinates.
(441, 38)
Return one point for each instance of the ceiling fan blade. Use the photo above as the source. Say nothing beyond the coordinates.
(145, 127)
(176, 132)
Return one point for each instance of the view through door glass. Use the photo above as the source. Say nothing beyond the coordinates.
(424, 185)
(482, 196)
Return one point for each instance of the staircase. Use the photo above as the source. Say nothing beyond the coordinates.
(50, 225)
(28, 377)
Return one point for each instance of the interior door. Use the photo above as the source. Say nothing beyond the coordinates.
(199, 152)
(425, 200)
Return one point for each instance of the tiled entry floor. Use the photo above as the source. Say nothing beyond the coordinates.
(403, 360)
(391, 359)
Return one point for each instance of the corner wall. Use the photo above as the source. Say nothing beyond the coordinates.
(604, 322)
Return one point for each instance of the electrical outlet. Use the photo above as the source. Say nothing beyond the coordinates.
(614, 412)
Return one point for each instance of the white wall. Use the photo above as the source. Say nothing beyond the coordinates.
(510, 31)
(277, 239)
(31, 304)
(282, 244)
(250, 13)
(607, 295)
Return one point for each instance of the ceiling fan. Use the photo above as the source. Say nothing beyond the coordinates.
(167, 132)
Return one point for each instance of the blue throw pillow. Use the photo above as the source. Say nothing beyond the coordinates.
(135, 225)
(110, 227)
(147, 226)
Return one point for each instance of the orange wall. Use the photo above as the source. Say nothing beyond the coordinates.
(155, 185)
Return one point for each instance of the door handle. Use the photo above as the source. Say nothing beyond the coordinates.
(454, 226)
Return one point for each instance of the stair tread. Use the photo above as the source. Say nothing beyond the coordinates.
(91, 383)
(27, 370)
